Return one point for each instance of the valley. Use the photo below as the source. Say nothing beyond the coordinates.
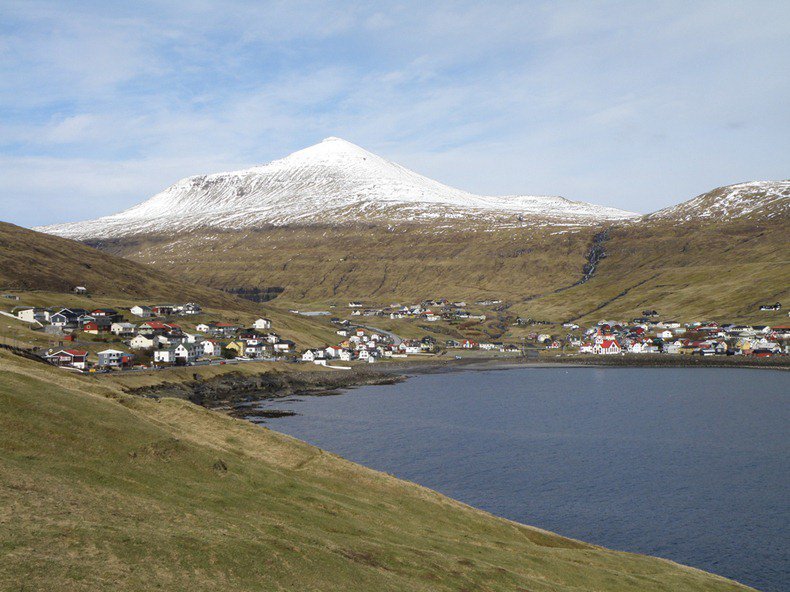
(334, 222)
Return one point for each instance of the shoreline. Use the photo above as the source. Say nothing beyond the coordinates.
(233, 392)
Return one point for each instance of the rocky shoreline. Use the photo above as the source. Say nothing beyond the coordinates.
(229, 391)
(233, 392)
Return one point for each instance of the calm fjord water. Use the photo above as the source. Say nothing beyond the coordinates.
(687, 464)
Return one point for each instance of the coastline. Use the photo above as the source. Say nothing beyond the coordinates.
(232, 392)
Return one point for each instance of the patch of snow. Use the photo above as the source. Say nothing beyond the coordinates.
(332, 182)
(766, 198)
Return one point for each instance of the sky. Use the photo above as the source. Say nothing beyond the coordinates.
(631, 104)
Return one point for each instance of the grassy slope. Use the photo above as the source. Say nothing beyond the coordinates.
(43, 269)
(102, 491)
(321, 265)
(705, 271)
(715, 270)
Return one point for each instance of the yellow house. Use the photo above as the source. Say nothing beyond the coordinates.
(236, 346)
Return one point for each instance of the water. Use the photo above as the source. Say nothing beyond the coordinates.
(687, 464)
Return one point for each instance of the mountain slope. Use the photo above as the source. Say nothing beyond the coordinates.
(694, 266)
(32, 260)
(754, 200)
(128, 494)
(333, 182)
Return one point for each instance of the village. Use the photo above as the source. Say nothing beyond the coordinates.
(643, 335)
(161, 335)
(148, 337)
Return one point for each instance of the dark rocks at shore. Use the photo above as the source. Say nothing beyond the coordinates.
(235, 387)
(253, 414)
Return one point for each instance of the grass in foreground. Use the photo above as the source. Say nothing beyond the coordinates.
(104, 491)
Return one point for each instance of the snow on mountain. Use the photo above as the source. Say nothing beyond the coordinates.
(765, 199)
(332, 182)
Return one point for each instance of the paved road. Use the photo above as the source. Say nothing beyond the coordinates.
(396, 340)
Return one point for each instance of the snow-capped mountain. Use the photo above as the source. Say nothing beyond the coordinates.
(332, 182)
(764, 199)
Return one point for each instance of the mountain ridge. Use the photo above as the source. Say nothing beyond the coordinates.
(333, 181)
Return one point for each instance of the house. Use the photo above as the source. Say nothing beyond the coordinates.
(180, 354)
(75, 358)
(254, 350)
(80, 290)
(150, 327)
(665, 334)
(163, 310)
(142, 311)
(489, 346)
(66, 318)
(33, 315)
(109, 313)
(141, 341)
(344, 355)
(312, 355)
(607, 347)
(777, 306)
(284, 346)
(100, 325)
(333, 351)
(468, 344)
(191, 308)
(121, 328)
(410, 347)
(222, 329)
(114, 358)
(237, 346)
(262, 324)
(355, 304)
(210, 347)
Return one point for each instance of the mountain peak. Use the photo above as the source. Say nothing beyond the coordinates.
(330, 148)
(331, 182)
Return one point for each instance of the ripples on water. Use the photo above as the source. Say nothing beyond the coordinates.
(687, 464)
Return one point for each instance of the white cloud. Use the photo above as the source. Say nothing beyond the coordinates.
(623, 104)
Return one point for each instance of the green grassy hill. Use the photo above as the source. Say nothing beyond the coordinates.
(714, 269)
(42, 270)
(31, 260)
(105, 491)
(703, 270)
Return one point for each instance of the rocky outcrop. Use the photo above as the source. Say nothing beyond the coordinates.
(236, 387)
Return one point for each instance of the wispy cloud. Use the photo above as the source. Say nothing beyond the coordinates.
(627, 104)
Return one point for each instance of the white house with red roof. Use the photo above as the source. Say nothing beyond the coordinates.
(76, 358)
(607, 347)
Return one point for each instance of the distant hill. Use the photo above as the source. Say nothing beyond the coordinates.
(756, 200)
(335, 222)
(31, 260)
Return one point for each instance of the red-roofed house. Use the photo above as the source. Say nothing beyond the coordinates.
(607, 347)
(76, 358)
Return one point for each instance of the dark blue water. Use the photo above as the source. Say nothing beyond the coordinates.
(687, 464)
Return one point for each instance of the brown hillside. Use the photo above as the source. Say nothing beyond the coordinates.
(711, 269)
(31, 260)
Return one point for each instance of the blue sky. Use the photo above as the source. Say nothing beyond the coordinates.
(636, 105)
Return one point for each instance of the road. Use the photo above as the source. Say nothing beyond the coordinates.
(396, 340)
